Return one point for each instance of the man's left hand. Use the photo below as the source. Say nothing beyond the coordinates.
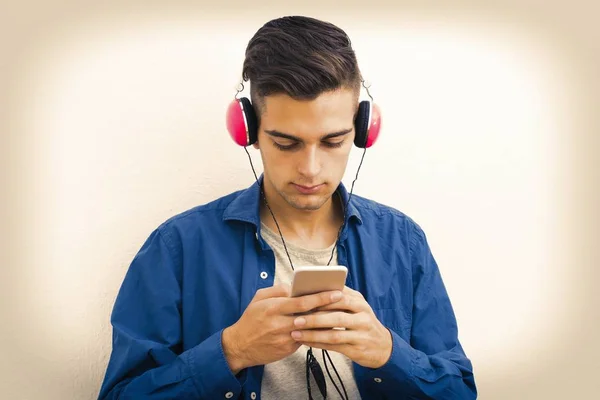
(363, 338)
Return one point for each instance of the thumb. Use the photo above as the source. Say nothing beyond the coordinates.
(280, 290)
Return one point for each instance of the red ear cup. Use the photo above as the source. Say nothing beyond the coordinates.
(374, 126)
(367, 124)
(241, 122)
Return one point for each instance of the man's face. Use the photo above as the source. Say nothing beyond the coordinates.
(305, 146)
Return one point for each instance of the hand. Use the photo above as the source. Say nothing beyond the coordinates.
(262, 334)
(362, 338)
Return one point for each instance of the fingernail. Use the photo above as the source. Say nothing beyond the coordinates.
(296, 335)
(299, 321)
(335, 296)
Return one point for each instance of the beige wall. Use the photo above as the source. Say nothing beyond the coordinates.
(112, 121)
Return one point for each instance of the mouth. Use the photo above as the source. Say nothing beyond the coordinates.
(308, 189)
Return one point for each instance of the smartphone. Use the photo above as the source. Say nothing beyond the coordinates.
(310, 279)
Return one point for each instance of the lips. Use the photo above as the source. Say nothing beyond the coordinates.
(308, 189)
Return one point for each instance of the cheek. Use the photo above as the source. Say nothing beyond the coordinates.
(275, 163)
(339, 159)
(335, 159)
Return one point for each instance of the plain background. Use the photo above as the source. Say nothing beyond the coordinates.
(112, 120)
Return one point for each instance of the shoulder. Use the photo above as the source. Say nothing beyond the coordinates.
(385, 218)
(196, 219)
(372, 210)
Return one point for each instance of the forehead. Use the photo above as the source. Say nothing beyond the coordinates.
(329, 112)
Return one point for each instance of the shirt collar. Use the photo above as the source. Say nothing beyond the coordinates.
(245, 207)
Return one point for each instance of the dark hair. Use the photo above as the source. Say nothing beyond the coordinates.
(301, 57)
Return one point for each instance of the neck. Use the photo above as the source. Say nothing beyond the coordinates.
(309, 228)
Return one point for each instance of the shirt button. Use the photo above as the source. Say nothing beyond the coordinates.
(253, 395)
(378, 380)
(264, 275)
(228, 395)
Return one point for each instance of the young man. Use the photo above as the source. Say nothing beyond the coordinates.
(204, 311)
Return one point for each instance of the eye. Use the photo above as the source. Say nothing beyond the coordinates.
(285, 147)
(334, 144)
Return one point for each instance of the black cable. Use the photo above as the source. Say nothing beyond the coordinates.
(347, 203)
(271, 211)
(313, 365)
(308, 376)
(345, 396)
(323, 351)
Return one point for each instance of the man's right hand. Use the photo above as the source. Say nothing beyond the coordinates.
(262, 335)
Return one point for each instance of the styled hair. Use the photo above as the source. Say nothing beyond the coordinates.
(299, 56)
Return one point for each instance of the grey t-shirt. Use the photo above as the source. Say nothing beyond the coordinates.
(286, 378)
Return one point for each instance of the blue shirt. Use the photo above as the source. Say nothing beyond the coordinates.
(198, 271)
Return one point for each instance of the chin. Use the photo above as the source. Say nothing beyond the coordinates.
(308, 203)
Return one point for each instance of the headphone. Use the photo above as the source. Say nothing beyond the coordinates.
(242, 122)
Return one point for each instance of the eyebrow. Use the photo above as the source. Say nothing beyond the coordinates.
(275, 133)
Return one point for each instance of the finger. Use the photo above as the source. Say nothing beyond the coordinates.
(280, 290)
(309, 302)
(348, 290)
(330, 336)
(350, 302)
(352, 292)
(328, 320)
(340, 348)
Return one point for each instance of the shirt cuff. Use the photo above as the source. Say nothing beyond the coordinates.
(210, 371)
(397, 370)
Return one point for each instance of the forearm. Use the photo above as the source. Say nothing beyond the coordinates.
(169, 381)
(200, 372)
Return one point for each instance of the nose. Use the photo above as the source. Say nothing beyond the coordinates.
(309, 165)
